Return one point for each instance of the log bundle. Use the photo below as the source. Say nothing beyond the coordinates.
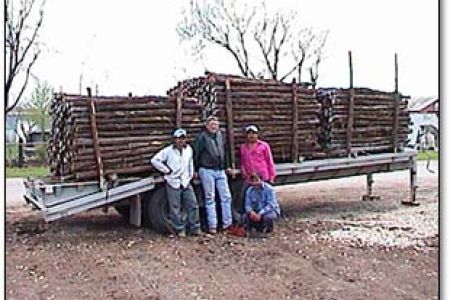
(301, 122)
(362, 121)
(126, 130)
(97, 137)
(285, 113)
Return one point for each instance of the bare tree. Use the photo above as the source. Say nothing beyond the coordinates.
(262, 44)
(220, 23)
(272, 36)
(309, 46)
(318, 54)
(22, 46)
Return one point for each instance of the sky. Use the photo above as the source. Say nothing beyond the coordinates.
(132, 46)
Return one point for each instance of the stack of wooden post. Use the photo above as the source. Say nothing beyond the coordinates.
(117, 135)
(362, 120)
(94, 137)
(285, 113)
(328, 122)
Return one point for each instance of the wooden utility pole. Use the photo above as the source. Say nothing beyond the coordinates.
(396, 109)
(351, 103)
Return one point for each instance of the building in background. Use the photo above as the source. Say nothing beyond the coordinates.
(34, 148)
(424, 114)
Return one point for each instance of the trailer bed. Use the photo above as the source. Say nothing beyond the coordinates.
(57, 200)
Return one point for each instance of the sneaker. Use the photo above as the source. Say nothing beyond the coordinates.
(212, 231)
(181, 234)
(196, 232)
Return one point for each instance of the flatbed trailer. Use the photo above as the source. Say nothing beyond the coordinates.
(142, 201)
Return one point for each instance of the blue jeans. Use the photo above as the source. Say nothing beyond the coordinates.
(212, 179)
(183, 197)
(266, 222)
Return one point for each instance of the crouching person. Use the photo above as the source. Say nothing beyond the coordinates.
(261, 206)
(176, 163)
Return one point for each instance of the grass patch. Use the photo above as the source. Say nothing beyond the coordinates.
(11, 151)
(434, 155)
(13, 172)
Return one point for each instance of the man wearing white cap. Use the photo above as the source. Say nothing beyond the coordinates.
(176, 163)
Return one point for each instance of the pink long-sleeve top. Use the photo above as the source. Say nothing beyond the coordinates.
(257, 159)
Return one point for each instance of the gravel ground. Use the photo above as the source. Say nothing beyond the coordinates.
(402, 228)
(395, 225)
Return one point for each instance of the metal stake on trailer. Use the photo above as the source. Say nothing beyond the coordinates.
(413, 183)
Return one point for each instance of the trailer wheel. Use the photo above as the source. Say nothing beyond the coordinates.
(123, 208)
(158, 211)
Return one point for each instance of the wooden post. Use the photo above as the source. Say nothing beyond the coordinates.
(295, 145)
(229, 107)
(21, 158)
(350, 107)
(396, 110)
(96, 144)
(179, 110)
(396, 73)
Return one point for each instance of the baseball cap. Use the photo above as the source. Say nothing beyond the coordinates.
(179, 133)
(251, 128)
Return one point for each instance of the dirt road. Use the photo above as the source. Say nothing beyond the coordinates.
(329, 245)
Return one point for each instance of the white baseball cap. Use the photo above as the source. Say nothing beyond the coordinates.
(179, 133)
(251, 128)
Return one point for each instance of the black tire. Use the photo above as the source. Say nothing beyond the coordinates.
(123, 208)
(157, 209)
(124, 211)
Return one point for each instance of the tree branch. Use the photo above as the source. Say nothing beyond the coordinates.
(20, 55)
(27, 76)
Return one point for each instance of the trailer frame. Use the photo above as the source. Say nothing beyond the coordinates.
(58, 200)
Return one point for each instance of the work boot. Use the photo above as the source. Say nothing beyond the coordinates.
(261, 235)
(251, 232)
(235, 230)
(269, 228)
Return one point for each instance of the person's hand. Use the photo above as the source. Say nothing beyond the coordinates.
(229, 171)
(272, 180)
(257, 217)
(253, 216)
